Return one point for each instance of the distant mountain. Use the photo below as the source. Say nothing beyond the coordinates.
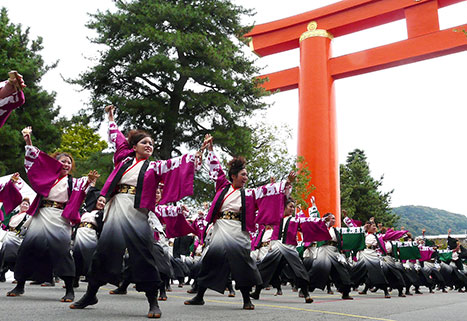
(435, 221)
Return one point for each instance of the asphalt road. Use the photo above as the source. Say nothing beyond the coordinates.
(42, 303)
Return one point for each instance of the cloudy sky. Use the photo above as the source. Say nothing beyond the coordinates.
(409, 120)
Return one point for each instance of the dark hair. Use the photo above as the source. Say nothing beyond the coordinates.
(327, 215)
(236, 165)
(26, 199)
(289, 200)
(134, 136)
(58, 155)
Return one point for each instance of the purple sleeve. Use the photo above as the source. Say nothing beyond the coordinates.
(9, 103)
(175, 223)
(119, 142)
(216, 173)
(11, 198)
(270, 202)
(42, 170)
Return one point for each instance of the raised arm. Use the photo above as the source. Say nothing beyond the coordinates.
(116, 138)
(27, 135)
(12, 85)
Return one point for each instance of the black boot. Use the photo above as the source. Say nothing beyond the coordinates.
(122, 289)
(231, 290)
(401, 293)
(76, 282)
(162, 293)
(18, 290)
(386, 293)
(2, 276)
(247, 304)
(70, 293)
(306, 295)
(89, 298)
(194, 287)
(199, 298)
(154, 311)
(255, 295)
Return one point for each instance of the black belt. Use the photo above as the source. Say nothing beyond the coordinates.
(47, 203)
(228, 215)
(86, 224)
(126, 189)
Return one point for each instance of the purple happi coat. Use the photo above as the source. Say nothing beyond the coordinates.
(351, 222)
(10, 196)
(9, 103)
(177, 174)
(263, 205)
(199, 226)
(392, 235)
(174, 219)
(313, 230)
(425, 253)
(289, 234)
(43, 171)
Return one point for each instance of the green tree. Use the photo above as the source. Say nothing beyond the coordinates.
(360, 195)
(81, 141)
(176, 69)
(99, 161)
(18, 52)
(268, 158)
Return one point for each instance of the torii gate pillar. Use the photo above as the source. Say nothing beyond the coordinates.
(317, 137)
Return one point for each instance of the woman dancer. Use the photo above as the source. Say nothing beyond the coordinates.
(130, 191)
(13, 239)
(233, 212)
(87, 234)
(45, 249)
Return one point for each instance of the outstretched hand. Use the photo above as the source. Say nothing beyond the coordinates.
(291, 177)
(110, 112)
(15, 177)
(16, 80)
(207, 143)
(27, 135)
(93, 175)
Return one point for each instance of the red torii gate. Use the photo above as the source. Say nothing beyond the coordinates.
(317, 138)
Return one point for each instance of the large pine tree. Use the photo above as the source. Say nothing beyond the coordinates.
(18, 52)
(176, 69)
(360, 194)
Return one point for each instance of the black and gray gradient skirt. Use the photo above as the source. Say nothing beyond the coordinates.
(228, 254)
(46, 248)
(125, 228)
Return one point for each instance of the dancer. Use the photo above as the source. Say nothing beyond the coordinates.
(130, 191)
(329, 264)
(283, 251)
(11, 95)
(13, 238)
(368, 269)
(233, 212)
(87, 233)
(45, 249)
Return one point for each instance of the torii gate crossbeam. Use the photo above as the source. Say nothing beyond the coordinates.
(317, 139)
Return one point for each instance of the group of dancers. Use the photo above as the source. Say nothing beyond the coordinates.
(253, 237)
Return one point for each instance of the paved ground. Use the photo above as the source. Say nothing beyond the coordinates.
(39, 303)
